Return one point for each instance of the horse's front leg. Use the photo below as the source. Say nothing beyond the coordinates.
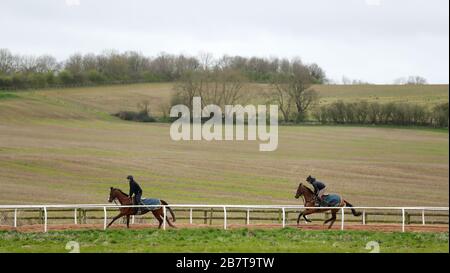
(304, 213)
(115, 218)
(331, 220)
(299, 217)
(128, 221)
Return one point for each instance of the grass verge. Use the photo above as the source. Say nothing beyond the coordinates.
(215, 240)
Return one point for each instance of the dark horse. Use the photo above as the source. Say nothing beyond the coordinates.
(125, 200)
(310, 201)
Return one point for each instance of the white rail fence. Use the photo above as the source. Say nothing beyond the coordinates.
(283, 208)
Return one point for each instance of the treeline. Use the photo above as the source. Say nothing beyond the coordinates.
(24, 71)
(364, 112)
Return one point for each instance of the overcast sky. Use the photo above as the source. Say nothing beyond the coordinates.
(372, 40)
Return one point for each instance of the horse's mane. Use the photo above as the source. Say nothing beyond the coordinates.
(121, 191)
(306, 187)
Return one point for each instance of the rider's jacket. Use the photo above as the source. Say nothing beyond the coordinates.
(135, 188)
(318, 186)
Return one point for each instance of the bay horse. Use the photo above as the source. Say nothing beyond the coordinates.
(310, 201)
(125, 200)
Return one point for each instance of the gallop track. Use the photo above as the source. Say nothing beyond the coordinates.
(349, 227)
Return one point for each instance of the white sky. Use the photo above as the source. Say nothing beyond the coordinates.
(372, 40)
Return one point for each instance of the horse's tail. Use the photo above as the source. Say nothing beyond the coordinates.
(170, 210)
(354, 212)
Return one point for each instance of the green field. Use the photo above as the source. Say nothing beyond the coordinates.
(214, 240)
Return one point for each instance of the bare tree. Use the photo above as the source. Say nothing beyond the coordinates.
(281, 97)
(220, 86)
(6, 61)
(144, 106)
(223, 87)
(416, 80)
(206, 60)
(297, 86)
(189, 86)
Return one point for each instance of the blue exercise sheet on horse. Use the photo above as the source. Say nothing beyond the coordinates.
(154, 203)
(331, 200)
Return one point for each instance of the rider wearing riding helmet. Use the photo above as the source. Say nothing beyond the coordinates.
(319, 187)
(135, 190)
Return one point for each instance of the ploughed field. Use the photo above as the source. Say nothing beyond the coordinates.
(63, 146)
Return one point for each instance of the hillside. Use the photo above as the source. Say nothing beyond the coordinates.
(62, 146)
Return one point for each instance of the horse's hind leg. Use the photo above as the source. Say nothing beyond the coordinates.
(332, 219)
(128, 221)
(158, 217)
(170, 223)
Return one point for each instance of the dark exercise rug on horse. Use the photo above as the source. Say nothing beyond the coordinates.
(154, 203)
(331, 200)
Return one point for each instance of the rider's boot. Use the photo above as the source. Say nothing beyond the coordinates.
(318, 201)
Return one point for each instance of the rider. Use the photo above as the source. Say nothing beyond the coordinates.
(135, 189)
(319, 188)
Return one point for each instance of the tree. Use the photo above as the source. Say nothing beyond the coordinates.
(6, 61)
(281, 97)
(416, 80)
(66, 77)
(187, 88)
(220, 87)
(297, 85)
(317, 73)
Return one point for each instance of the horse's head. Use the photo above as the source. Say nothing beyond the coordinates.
(112, 195)
(299, 191)
(119, 195)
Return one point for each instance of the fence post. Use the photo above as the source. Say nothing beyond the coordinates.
(364, 217)
(423, 217)
(190, 216)
(132, 219)
(211, 215)
(41, 216)
(342, 218)
(45, 219)
(75, 216)
(84, 216)
(248, 217)
(224, 217)
(403, 220)
(104, 218)
(283, 211)
(164, 217)
(15, 218)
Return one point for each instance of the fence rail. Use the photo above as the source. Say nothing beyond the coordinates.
(79, 213)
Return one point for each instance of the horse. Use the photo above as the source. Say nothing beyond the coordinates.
(310, 201)
(125, 200)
